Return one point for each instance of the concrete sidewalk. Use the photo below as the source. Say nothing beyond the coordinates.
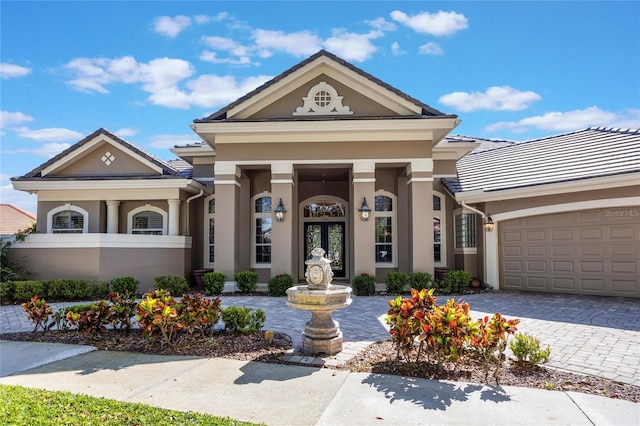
(296, 395)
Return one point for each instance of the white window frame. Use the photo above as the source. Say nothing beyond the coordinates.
(147, 207)
(465, 250)
(208, 246)
(442, 216)
(255, 216)
(393, 214)
(65, 207)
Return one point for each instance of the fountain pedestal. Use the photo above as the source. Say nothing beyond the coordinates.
(322, 333)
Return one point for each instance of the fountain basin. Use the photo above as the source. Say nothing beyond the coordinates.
(322, 333)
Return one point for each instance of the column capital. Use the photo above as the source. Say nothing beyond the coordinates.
(174, 202)
(112, 203)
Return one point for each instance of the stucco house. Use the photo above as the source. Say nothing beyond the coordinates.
(327, 154)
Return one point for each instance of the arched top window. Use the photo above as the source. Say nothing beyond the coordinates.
(68, 219)
(324, 209)
(147, 220)
(386, 240)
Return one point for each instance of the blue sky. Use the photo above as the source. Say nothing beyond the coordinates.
(146, 69)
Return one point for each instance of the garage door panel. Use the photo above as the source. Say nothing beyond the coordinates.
(587, 252)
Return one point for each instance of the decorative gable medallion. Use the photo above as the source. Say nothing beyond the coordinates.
(108, 158)
(322, 99)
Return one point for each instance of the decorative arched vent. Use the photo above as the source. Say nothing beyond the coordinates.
(323, 99)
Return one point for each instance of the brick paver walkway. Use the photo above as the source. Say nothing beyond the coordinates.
(598, 336)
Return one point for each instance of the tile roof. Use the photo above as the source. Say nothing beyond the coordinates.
(590, 153)
(167, 169)
(426, 109)
(14, 219)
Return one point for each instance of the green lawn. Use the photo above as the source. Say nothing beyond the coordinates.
(24, 406)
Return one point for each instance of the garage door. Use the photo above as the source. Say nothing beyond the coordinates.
(593, 252)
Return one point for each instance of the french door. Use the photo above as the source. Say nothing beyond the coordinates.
(329, 236)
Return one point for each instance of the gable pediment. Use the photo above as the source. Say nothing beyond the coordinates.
(283, 98)
(101, 154)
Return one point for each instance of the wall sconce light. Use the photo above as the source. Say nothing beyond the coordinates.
(364, 210)
(280, 211)
(488, 223)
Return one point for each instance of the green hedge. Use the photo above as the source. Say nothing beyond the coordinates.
(364, 285)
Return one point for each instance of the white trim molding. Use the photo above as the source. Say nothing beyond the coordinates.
(61, 241)
(147, 207)
(83, 212)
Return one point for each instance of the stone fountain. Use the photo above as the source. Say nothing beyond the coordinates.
(321, 333)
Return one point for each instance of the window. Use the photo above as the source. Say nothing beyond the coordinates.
(147, 220)
(68, 219)
(261, 231)
(465, 231)
(210, 230)
(385, 226)
(437, 229)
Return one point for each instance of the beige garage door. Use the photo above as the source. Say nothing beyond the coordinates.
(593, 252)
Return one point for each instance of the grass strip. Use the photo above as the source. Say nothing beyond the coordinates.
(27, 406)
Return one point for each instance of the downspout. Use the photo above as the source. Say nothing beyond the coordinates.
(187, 213)
(473, 209)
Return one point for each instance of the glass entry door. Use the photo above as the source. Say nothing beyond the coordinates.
(329, 236)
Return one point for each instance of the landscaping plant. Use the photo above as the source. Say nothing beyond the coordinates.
(405, 318)
(214, 283)
(364, 285)
(243, 319)
(174, 284)
(123, 308)
(455, 282)
(23, 291)
(93, 320)
(123, 284)
(279, 284)
(247, 281)
(38, 312)
(489, 341)
(157, 315)
(420, 280)
(396, 282)
(526, 349)
(197, 312)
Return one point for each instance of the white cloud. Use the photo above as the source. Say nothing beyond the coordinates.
(204, 19)
(20, 199)
(126, 132)
(54, 134)
(572, 120)
(211, 90)
(301, 43)
(382, 24)
(169, 141)
(395, 49)
(159, 77)
(430, 48)
(437, 24)
(169, 26)
(8, 70)
(352, 46)
(496, 98)
(209, 56)
(8, 118)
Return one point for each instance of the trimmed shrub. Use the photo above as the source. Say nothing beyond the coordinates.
(396, 282)
(279, 284)
(122, 284)
(247, 281)
(364, 285)
(174, 284)
(38, 312)
(420, 280)
(527, 349)
(214, 283)
(67, 289)
(98, 289)
(6, 292)
(23, 291)
(455, 282)
(243, 319)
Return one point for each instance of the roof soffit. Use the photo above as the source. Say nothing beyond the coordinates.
(323, 65)
(79, 153)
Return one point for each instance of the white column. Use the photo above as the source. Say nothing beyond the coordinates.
(364, 186)
(491, 257)
(112, 216)
(282, 257)
(174, 217)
